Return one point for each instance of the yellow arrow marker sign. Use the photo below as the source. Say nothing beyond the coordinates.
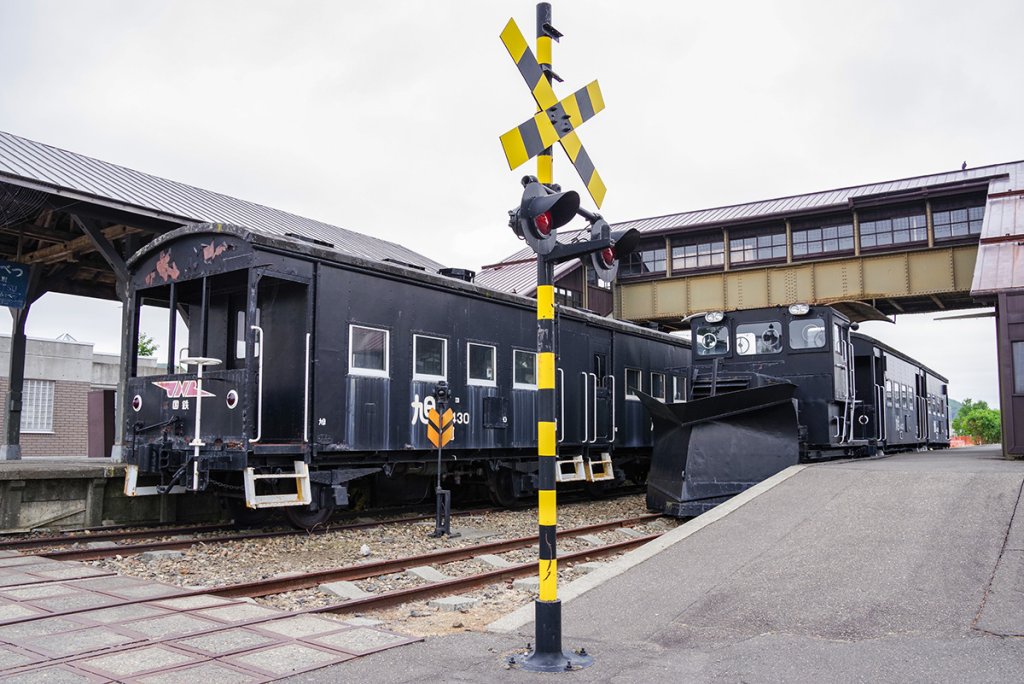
(440, 428)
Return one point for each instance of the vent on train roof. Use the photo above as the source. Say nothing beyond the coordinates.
(313, 240)
(405, 263)
(458, 274)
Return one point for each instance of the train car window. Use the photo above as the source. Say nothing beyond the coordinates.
(759, 338)
(658, 386)
(678, 389)
(888, 392)
(712, 340)
(837, 341)
(807, 333)
(634, 382)
(524, 369)
(430, 358)
(368, 351)
(481, 365)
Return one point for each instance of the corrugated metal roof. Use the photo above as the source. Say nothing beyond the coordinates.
(33, 164)
(517, 274)
(838, 199)
(1000, 264)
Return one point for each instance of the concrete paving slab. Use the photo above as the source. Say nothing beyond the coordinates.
(29, 629)
(17, 579)
(57, 674)
(210, 672)
(70, 572)
(145, 591)
(225, 642)
(8, 554)
(134, 662)
(18, 559)
(73, 602)
(126, 613)
(79, 642)
(287, 659)
(40, 591)
(361, 640)
(240, 612)
(193, 602)
(427, 573)
(15, 611)
(173, 625)
(12, 657)
(299, 626)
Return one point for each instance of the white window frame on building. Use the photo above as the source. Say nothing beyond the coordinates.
(37, 407)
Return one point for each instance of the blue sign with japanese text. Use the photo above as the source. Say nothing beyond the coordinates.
(13, 284)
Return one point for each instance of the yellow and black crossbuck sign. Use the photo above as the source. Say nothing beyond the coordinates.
(440, 428)
(557, 120)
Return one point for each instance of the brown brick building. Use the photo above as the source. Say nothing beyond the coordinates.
(59, 375)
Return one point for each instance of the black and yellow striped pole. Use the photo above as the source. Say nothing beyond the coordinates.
(545, 160)
(548, 655)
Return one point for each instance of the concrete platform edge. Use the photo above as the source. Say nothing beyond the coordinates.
(524, 616)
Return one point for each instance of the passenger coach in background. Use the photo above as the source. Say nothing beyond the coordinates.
(309, 374)
(772, 387)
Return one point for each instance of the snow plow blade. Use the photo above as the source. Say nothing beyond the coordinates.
(708, 450)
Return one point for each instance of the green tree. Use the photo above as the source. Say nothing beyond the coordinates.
(147, 347)
(978, 421)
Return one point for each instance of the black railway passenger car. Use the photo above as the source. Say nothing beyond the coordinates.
(310, 372)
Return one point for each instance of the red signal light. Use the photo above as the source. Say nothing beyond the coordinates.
(543, 223)
(608, 256)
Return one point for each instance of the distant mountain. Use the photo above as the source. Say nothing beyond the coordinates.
(954, 408)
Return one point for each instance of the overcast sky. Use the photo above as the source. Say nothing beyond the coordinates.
(384, 117)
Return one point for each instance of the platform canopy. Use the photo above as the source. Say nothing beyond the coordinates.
(77, 218)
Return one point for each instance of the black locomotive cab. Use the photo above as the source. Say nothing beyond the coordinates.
(807, 346)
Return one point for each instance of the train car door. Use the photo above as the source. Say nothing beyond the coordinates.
(281, 346)
(602, 398)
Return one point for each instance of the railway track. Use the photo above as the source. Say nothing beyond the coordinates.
(177, 544)
(309, 580)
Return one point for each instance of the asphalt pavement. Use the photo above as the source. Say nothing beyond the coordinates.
(908, 568)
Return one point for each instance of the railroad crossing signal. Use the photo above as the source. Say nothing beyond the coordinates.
(440, 427)
(557, 120)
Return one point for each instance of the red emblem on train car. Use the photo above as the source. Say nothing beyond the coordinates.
(177, 389)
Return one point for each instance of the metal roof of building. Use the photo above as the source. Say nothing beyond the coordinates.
(32, 164)
(815, 202)
(1000, 264)
(517, 274)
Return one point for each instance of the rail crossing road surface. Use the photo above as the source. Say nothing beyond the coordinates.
(901, 569)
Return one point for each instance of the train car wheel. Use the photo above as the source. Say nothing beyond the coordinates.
(305, 518)
(500, 488)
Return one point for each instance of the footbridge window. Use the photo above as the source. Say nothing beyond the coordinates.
(697, 254)
(746, 248)
(893, 230)
(958, 222)
(827, 238)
